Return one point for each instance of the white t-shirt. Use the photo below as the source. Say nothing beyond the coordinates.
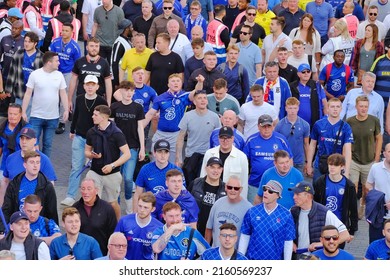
(250, 114)
(269, 45)
(46, 87)
(88, 8)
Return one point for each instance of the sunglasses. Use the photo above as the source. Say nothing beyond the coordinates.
(373, 14)
(217, 106)
(306, 72)
(328, 238)
(168, 8)
(233, 188)
(71, 251)
(265, 189)
(244, 33)
(292, 129)
(250, 14)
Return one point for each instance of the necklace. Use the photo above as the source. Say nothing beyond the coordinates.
(89, 108)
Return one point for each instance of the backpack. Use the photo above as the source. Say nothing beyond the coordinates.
(222, 67)
(347, 72)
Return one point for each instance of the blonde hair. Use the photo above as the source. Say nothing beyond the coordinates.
(341, 25)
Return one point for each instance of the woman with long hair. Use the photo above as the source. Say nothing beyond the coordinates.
(341, 41)
(366, 51)
(309, 36)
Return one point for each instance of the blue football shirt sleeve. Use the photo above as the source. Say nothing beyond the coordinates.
(246, 224)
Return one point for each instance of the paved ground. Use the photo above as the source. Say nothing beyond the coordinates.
(61, 158)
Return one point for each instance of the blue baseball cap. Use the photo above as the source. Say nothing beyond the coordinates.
(303, 67)
(14, 12)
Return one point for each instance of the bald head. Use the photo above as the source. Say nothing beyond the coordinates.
(17, 28)
(196, 32)
(17, 23)
(229, 118)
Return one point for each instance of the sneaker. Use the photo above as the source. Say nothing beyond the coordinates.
(68, 201)
(61, 128)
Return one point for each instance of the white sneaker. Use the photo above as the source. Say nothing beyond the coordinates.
(68, 201)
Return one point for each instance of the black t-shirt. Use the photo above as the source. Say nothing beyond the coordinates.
(82, 115)
(223, 157)
(258, 33)
(115, 141)
(142, 26)
(161, 67)
(290, 73)
(126, 118)
(98, 68)
(208, 200)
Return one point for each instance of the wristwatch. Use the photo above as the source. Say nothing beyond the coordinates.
(113, 166)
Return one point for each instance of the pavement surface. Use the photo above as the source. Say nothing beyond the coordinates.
(61, 158)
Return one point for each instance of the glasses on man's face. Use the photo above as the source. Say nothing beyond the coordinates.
(328, 238)
(292, 130)
(233, 188)
(251, 14)
(119, 246)
(226, 235)
(373, 14)
(167, 8)
(306, 72)
(244, 33)
(265, 189)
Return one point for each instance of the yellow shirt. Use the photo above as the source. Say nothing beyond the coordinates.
(302, 4)
(264, 20)
(132, 59)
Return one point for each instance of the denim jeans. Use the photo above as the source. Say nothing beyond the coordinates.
(47, 127)
(127, 171)
(78, 161)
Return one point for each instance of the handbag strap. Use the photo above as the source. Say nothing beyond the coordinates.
(189, 243)
(337, 137)
(234, 256)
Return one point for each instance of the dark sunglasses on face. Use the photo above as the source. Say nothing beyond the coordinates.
(244, 33)
(305, 72)
(328, 238)
(233, 188)
(265, 189)
(292, 129)
(168, 8)
(373, 14)
(250, 14)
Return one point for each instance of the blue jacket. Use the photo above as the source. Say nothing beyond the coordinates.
(375, 209)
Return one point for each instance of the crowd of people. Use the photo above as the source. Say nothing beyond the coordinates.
(281, 111)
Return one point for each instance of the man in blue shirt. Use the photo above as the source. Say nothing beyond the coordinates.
(260, 149)
(68, 52)
(340, 79)
(175, 240)
(323, 137)
(171, 105)
(175, 192)
(268, 229)
(228, 239)
(284, 173)
(296, 130)
(138, 228)
(330, 240)
(152, 175)
(379, 249)
(74, 245)
(323, 16)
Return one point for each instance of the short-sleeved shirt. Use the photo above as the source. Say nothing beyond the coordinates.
(126, 118)
(132, 59)
(336, 82)
(144, 96)
(44, 227)
(342, 255)
(377, 250)
(378, 177)
(199, 128)
(250, 56)
(114, 142)
(98, 68)
(160, 67)
(177, 248)
(260, 153)
(172, 108)
(215, 254)
(14, 166)
(295, 134)
(325, 134)
(139, 237)
(108, 22)
(67, 54)
(151, 178)
(268, 232)
(321, 14)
